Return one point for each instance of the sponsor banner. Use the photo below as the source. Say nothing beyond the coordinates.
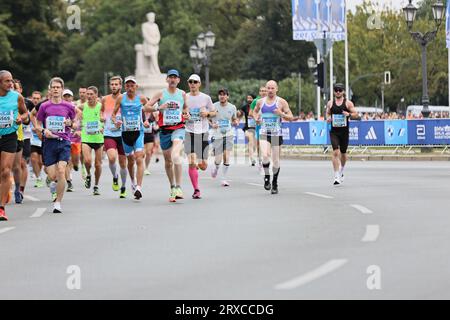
(367, 133)
(318, 133)
(396, 132)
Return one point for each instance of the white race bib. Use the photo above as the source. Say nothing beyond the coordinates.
(92, 127)
(55, 124)
(6, 119)
(339, 120)
(132, 123)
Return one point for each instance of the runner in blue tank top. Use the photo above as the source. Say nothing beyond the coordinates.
(131, 106)
(11, 105)
(173, 112)
(269, 112)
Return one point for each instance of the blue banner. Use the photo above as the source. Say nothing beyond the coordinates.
(318, 133)
(396, 132)
(311, 17)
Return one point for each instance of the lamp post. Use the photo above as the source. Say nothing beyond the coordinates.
(423, 40)
(313, 65)
(200, 53)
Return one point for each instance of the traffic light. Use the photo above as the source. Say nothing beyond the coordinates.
(319, 75)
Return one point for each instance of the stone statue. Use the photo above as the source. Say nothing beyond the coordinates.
(147, 53)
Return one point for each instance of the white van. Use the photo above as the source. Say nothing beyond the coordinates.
(362, 110)
(416, 110)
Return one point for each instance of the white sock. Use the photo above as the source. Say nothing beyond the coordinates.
(336, 175)
(123, 176)
(113, 168)
(57, 206)
(341, 171)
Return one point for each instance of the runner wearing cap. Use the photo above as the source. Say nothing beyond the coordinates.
(269, 113)
(55, 119)
(13, 111)
(132, 123)
(113, 138)
(91, 132)
(339, 111)
(223, 136)
(173, 108)
(196, 145)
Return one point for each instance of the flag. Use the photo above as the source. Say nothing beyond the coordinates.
(310, 18)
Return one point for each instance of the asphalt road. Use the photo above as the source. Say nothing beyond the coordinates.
(384, 234)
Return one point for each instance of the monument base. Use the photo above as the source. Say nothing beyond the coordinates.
(151, 84)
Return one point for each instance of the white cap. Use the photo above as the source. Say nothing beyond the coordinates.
(195, 77)
(67, 91)
(130, 78)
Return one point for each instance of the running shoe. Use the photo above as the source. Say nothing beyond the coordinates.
(253, 163)
(336, 182)
(115, 185)
(96, 191)
(57, 208)
(138, 193)
(87, 183)
(157, 160)
(123, 193)
(214, 172)
(18, 197)
(342, 178)
(69, 186)
(196, 195)
(38, 183)
(179, 193)
(3, 216)
(274, 189)
(225, 183)
(146, 172)
(173, 195)
(267, 184)
(83, 172)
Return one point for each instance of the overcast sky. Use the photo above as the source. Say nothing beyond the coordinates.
(395, 4)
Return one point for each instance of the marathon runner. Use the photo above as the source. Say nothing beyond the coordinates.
(173, 110)
(36, 144)
(55, 119)
(131, 107)
(262, 95)
(12, 113)
(149, 139)
(223, 136)
(339, 111)
(113, 138)
(269, 113)
(75, 143)
(249, 126)
(92, 137)
(196, 145)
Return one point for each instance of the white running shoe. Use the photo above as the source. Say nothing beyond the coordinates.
(225, 183)
(214, 172)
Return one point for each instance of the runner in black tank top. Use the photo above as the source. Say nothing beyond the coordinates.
(339, 111)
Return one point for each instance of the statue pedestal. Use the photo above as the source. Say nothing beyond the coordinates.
(151, 84)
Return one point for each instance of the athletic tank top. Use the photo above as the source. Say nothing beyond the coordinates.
(110, 129)
(9, 111)
(131, 111)
(339, 122)
(172, 117)
(271, 123)
(91, 124)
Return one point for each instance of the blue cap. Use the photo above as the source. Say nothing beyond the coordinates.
(173, 72)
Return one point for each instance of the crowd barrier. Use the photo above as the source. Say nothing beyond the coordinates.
(430, 132)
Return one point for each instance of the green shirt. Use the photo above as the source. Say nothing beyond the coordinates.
(91, 124)
(255, 101)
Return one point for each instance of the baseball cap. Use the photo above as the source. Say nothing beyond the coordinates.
(67, 92)
(130, 78)
(173, 72)
(224, 90)
(339, 86)
(195, 77)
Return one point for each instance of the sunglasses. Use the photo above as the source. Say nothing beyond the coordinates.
(193, 82)
(338, 90)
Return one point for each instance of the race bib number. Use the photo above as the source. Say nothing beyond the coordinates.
(6, 119)
(172, 115)
(271, 124)
(35, 141)
(92, 127)
(339, 120)
(224, 125)
(132, 123)
(55, 124)
(195, 114)
(251, 123)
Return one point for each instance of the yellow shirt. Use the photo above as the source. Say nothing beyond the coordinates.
(20, 133)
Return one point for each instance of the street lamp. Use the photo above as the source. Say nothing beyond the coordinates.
(201, 52)
(423, 40)
(311, 63)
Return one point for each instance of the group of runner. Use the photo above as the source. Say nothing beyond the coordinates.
(57, 135)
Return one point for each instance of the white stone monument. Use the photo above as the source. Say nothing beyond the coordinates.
(148, 75)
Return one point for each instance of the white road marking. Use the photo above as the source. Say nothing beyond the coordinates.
(31, 198)
(319, 195)
(38, 213)
(256, 185)
(320, 272)
(361, 209)
(372, 233)
(4, 230)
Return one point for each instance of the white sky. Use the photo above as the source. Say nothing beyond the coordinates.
(395, 4)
